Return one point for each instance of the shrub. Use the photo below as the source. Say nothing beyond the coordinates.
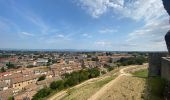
(94, 72)
(41, 78)
(41, 94)
(57, 85)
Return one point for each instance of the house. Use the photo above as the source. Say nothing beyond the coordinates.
(3, 86)
(41, 62)
(18, 84)
(4, 95)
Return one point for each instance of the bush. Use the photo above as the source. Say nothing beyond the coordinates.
(41, 94)
(103, 72)
(110, 68)
(57, 85)
(2, 69)
(41, 78)
(94, 72)
(72, 80)
(83, 75)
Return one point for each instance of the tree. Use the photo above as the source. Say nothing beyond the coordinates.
(3, 69)
(83, 75)
(10, 65)
(94, 72)
(11, 98)
(41, 78)
(57, 85)
(41, 94)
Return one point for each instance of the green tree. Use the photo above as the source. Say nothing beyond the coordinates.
(41, 94)
(3, 69)
(41, 78)
(11, 98)
(93, 72)
(10, 65)
(57, 85)
(83, 75)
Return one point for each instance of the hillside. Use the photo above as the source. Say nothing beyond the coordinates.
(118, 84)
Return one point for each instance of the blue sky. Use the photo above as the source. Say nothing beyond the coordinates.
(132, 25)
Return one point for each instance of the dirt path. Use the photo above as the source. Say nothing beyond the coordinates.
(124, 87)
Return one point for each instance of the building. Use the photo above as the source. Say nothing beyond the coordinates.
(3, 86)
(41, 62)
(18, 84)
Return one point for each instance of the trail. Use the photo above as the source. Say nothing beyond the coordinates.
(115, 89)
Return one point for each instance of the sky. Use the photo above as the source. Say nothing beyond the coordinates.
(114, 25)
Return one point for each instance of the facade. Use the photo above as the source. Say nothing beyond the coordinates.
(20, 83)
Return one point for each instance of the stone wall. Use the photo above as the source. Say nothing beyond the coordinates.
(155, 63)
(165, 68)
(159, 65)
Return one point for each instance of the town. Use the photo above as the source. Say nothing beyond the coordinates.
(23, 73)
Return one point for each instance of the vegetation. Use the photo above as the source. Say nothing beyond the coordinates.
(57, 85)
(42, 93)
(156, 86)
(69, 80)
(139, 60)
(2, 69)
(10, 65)
(11, 98)
(141, 73)
(41, 78)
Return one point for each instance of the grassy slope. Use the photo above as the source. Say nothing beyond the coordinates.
(155, 85)
(141, 73)
(87, 90)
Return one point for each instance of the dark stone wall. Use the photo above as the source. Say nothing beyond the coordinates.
(165, 68)
(155, 63)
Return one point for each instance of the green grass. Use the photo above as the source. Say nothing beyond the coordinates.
(156, 87)
(141, 73)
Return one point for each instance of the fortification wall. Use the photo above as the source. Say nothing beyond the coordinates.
(155, 63)
(165, 68)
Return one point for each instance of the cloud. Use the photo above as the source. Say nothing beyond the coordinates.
(60, 36)
(98, 7)
(86, 35)
(150, 13)
(27, 34)
(103, 43)
(152, 31)
(134, 9)
(105, 31)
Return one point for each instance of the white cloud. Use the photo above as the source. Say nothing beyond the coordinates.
(86, 35)
(98, 7)
(103, 31)
(151, 13)
(135, 9)
(60, 36)
(103, 43)
(27, 34)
